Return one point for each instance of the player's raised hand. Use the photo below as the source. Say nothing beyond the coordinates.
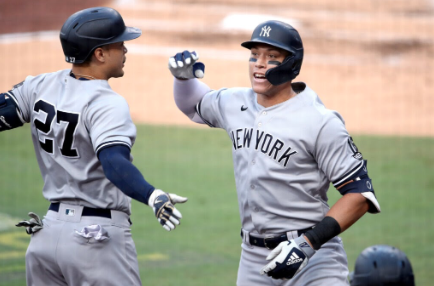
(163, 205)
(288, 258)
(185, 66)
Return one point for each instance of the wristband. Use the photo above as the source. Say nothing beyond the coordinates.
(323, 232)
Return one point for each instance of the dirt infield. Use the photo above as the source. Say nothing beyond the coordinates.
(370, 60)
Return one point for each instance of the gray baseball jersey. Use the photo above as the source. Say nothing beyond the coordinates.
(284, 156)
(70, 121)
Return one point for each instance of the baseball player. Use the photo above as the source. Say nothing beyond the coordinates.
(287, 148)
(82, 134)
(382, 265)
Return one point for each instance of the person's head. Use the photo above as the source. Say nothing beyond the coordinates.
(382, 265)
(276, 55)
(109, 58)
(95, 36)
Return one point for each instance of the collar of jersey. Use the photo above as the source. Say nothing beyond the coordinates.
(71, 74)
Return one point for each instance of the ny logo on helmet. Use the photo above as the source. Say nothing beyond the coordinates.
(265, 32)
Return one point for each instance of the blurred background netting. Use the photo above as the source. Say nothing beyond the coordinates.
(371, 60)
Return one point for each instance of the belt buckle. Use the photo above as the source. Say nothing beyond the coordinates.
(265, 242)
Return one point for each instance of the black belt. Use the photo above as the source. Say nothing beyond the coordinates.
(86, 211)
(271, 242)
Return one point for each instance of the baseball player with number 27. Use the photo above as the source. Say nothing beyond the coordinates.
(287, 148)
(83, 133)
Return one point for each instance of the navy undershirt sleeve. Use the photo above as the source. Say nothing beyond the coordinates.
(123, 174)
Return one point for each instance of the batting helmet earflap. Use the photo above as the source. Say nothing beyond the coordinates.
(382, 265)
(284, 36)
(88, 29)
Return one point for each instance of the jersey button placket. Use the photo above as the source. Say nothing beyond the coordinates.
(261, 114)
(253, 168)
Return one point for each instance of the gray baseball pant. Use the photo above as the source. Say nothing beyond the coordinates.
(57, 255)
(329, 266)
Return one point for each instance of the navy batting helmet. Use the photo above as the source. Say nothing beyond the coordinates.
(88, 29)
(382, 265)
(281, 35)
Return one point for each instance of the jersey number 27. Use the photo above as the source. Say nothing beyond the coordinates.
(71, 120)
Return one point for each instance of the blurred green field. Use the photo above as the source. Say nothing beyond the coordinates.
(205, 249)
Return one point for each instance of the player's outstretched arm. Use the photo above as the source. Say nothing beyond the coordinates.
(187, 90)
(124, 175)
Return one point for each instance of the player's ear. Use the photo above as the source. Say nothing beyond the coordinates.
(100, 54)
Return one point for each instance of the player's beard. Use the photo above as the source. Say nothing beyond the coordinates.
(122, 72)
(119, 71)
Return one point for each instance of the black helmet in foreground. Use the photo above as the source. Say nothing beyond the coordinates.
(88, 29)
(284, 36)
(382, 265)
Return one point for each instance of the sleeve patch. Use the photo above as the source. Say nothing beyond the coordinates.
(356, 154)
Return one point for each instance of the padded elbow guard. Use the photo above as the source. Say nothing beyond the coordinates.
(358, 181)
(10, 115)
